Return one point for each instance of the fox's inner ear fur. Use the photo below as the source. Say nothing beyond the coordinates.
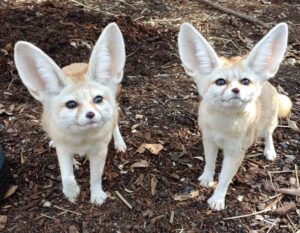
(108, 56)
(196, 54)
(265, 58)
(38, 72)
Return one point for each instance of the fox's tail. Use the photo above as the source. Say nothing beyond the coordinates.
(285, 105)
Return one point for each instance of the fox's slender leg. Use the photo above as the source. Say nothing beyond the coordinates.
(231, 163)
(269, 150)
(70, 187)
(97, 162)
(210, 152)
(118, 140)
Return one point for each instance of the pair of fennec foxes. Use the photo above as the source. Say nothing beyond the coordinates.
(80, 111)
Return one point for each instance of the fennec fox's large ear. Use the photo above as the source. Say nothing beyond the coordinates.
(39, 72)
(266, 56)
(196, 54)
(108, 56)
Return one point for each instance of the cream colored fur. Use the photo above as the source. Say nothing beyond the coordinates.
(234, 113)
(86, 127)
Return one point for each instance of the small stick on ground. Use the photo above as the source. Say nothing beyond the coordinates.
(172, 217)
(235, 13)
(247, 215)
(159, 90)
(71, 211)
(280, 172)
(274, 223)
(297, 180)
(62, 213)
(92, 8)
(123, 200)
(269, 198)
(47, 216)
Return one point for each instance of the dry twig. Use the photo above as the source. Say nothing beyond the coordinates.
(247, 215)
(172, 217)
(274, 223)
(123, 200)
(71, 211)
(297, 181)
(92, 8)
(235, 13)
(47, 216)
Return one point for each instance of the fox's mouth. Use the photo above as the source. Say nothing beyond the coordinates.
(233, 98)
(90, 123)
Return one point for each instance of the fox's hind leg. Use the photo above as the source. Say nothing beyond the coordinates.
(269, 150)
(119, 143)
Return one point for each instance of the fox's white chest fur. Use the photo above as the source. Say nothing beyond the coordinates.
(84, 142)
(228, 129)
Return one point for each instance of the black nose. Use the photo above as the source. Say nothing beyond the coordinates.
(235, 90)
(90, 115)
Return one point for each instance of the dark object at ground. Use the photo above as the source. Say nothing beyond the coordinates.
(4, 174)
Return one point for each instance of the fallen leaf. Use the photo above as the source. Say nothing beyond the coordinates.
(292, 191)
(148, 213)
(246, 40)
(11, 191)
(153, 186)
(186, 196)
(3, 221)
(139, 181)
(293, 181)
(287, 207)
(142, 163)
(72, 229)
(153, 148)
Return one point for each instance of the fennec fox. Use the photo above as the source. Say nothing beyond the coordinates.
(80, 111)
(238, 103)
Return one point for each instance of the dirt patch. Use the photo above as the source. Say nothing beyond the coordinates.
(159, 105)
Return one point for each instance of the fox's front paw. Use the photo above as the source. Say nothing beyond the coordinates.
(216, 202)
(206, 180)
(270, 154)
(98, 197)
(120, 145)
(71, 189)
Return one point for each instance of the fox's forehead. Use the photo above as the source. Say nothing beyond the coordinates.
(85, 91)
(80, 86)
(76, 72)
(231, 62)
(231, 68)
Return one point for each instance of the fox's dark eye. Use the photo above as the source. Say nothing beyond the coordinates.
(245, 81)
(220, 82)
(71, 104)
(98, 99)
